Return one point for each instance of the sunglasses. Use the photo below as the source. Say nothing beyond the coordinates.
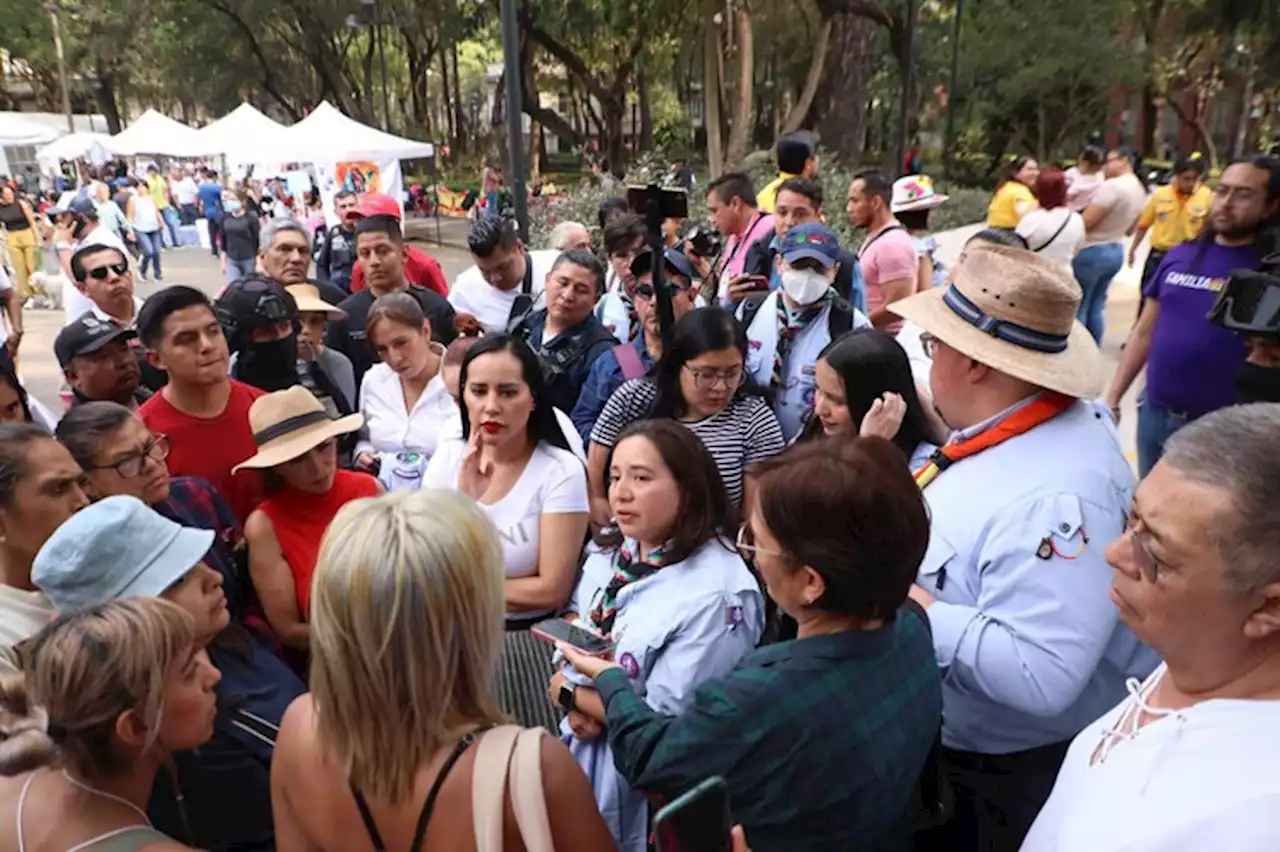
(101, 273)
(646, 291)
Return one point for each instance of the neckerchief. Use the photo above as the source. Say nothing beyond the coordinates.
(1026, 418)
(790, 325)
(627, 569)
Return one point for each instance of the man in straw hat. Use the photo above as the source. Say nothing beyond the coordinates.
(1024, 498)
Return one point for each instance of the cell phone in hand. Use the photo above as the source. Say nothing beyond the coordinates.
(698, 821)
(559, 630)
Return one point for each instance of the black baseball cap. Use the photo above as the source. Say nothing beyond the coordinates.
(676, 262)
(87, 335)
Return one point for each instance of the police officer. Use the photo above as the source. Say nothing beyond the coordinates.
(564, 332)
(1024, 497)
(337, 251)
(788, 328)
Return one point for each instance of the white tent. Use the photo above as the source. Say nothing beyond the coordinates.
(16, 131)
(327, 135)
(92, 146)
(154, 133)
(242, 134)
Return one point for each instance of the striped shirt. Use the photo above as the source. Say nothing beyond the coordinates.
(741, 435)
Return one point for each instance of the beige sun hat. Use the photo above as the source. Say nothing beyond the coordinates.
(1015, 311)
(291, 422)
(308, 298)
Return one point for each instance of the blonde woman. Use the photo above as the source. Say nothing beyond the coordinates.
(406, 625)
(108, 695)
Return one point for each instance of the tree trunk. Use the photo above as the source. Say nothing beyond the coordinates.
(1246, 106)
(646, 112)
(740, 112)
(450, 129)
(711, 89)
(105, 93)
(1147, 143)
(848, 68)
(459, 118)
(497, 125)
(800, 109)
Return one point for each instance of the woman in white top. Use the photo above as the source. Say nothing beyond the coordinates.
(405, 403)
(1053, 229)
(668, 585)
(144, 218)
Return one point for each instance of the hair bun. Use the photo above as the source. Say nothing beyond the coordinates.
(24, 743)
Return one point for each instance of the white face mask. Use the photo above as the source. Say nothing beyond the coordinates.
(804, 286)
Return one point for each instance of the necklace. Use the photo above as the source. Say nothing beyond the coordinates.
(102, 793)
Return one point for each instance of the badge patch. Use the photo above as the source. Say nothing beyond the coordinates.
(733, 615)
(629, 665)
(1046, 549)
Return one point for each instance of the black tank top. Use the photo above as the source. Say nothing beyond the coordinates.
(13, 218)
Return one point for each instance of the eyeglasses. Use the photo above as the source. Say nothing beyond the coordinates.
(708, 379)
(745, 544)
(100, 273)
(157, 449)
(646, 291)
(928, 343)
(1148, 564)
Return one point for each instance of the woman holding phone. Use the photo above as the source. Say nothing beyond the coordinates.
(667, 586)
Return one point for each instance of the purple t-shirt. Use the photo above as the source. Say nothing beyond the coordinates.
(1192, 364)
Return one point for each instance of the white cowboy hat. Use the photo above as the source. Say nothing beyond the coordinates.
(308, 298)
(1014, 311)
(915, 192)
(291, 422)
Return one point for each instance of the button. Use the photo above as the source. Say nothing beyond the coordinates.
(1064, 528)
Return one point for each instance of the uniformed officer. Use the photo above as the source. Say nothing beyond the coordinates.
(792, 325)
(1024, 497)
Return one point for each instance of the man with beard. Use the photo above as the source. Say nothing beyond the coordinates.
(1250, 306)
(98, 363)
(1192, 362)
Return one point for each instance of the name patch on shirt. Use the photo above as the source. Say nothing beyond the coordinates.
(629, 665)
(733, 616)
(1190, 281)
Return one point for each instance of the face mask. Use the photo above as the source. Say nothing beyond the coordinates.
(269, 366)
(231, 206)
(1256, 383)
(804, 286)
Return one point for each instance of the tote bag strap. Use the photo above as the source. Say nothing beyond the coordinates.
(527, 797)
(488, 786)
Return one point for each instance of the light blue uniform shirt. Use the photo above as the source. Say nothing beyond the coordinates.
(684, 624)
(1031, 647)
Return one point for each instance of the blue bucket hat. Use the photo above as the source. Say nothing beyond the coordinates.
(116, 548)
(813, 241)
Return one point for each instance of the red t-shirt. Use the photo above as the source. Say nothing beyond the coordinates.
(210, 447)
(419, 268)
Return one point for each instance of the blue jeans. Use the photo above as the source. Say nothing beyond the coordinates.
(149, 244)
(237, 269)
(1094, 267)
(171, 222)
(1155, 424)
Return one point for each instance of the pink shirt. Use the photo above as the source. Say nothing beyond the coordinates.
(735, 250)
(887, 255)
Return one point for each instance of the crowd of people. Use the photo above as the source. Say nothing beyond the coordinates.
(857, 527)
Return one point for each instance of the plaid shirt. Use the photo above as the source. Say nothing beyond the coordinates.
(195, 502)
(821, 740)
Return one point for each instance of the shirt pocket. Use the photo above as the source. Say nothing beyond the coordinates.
(1068, 536)
(754, 360)
(938, 560)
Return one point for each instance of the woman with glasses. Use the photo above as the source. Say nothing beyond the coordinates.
(699, 382)
(822, 739)
(667, 583)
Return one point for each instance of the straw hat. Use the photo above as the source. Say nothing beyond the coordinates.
(915, 192)
(1014, 311)
(308, 298)
(290, 422)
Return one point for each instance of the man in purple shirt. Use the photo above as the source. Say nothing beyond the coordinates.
(1192, 362)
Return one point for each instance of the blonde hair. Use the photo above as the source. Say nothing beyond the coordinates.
(406, 626)
(80, 673)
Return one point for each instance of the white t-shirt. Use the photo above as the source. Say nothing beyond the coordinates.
(1123, 197)
(186, 191)
(471, 294)
(1056, 234)
(391, 427)
(1196, 780)
(554, 482)
(22, 615)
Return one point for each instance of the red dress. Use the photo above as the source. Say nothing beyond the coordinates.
(299, 521)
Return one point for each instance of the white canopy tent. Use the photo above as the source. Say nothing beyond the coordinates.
(95, 147)
(16, 131)
(242, 134)
(327, 135)
(154, 133)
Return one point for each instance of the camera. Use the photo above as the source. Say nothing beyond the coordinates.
(704, 242)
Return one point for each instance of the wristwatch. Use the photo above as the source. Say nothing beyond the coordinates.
(565, 698)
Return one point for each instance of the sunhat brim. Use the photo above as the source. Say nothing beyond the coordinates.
(919, 204)
(1076, 371)
(170, 564)
(307, 305)
(289, 446)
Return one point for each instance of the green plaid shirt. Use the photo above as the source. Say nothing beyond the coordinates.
(821, 740)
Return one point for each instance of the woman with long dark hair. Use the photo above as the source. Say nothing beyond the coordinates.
(701, 382)
(863, 386)
(1013, 198)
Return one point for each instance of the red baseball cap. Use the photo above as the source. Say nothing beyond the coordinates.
(377, 204)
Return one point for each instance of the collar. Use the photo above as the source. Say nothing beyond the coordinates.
(970, 431)
(106, 317)
(848, 644)
(539, 328)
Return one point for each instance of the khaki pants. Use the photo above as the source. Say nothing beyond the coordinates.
(22, 250)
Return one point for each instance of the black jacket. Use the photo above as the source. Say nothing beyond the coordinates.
(337, 256)
(348, 337)
(567, 359)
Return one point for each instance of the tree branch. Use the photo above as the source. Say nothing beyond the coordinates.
(572, 63)
(270, 82)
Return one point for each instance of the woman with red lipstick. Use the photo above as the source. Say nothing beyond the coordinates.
(513, 459)
(298, 449)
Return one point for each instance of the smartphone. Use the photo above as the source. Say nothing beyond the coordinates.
(559, 630)
(698, 821)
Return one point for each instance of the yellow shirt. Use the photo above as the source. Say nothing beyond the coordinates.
(1174, 219)
(1003, 210)
(158, 189)
(767, 197)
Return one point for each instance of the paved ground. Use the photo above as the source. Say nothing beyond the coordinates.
(195, 267)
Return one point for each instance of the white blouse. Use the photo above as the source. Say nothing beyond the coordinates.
(392, 428)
